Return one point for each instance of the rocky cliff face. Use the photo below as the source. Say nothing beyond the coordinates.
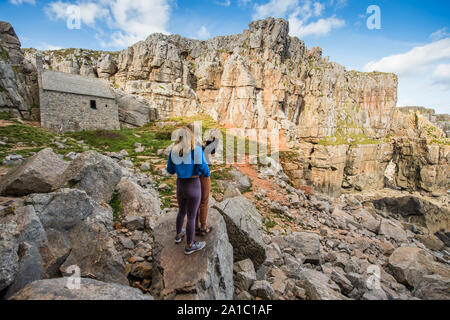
(18, 78)
(342, 126)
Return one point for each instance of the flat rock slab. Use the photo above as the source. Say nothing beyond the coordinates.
(204, 275)
(57, 289)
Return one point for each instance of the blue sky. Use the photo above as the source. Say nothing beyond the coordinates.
(414, 39)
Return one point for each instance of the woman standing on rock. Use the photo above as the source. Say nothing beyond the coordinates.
(188, 161)
(209, 147)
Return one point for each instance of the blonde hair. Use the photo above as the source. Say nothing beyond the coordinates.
(185, 143)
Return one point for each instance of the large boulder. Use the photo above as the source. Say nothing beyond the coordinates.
(137, 201)
(63, 209)
(392, 230)
(241, 181)
(21, 236)
(93, 251)
(205, 275)
(318, 286)
(58, 289)
(30, 268)
(304, 244)
(410, 264)
(94, 173)
(244, 226)
(39, 174)
(134, 111)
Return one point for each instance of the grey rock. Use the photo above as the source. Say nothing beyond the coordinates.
(242, 181)
(318, 286)
(231, 191)
(94, 253)
(30, 268)
(341, 280)
(410, 264)
(145, 166)
(392, 230)
(94, 173)
(305, 243)
(137, 201)
(134, 223)
(244, 227)
(134, 111)
(57, 289)
(63, 209)
(55, 253)
(21, 235)
(245, 274)
(433, 287)
(204, 275)
(39, 174)
(243, 296)
(262, 289)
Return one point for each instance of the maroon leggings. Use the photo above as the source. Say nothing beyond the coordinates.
(189, 194)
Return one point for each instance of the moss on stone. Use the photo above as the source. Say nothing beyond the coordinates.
(4, 54)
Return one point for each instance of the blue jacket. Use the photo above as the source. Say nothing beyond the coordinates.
(188, 168)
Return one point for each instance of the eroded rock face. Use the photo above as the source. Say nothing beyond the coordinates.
(57, 289)
(21, 237)
(94, 173)
(39, 174)
(18, 78)
(205, 275)
(244, 227)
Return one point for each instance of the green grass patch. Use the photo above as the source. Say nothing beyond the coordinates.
(4, 54)
(117, 208)
(5, 115)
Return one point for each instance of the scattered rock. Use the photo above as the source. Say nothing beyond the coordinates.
(318, 286)
(392, 230)
(410, 264)
(262, 289)
(39, 174)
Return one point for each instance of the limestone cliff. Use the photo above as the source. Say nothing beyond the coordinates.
(343, 127)
(18, 78)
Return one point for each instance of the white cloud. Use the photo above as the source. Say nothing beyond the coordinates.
(244, 3)
(319, 27)
(46, 46)
(19, 2)
(203, 33)
(129, 21)
(416, 61)
(276, 8)
(440, 34)
(225, 3)
(300, 14)
(424, 74)
(441, 75)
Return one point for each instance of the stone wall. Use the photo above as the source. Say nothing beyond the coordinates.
(71, 112)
